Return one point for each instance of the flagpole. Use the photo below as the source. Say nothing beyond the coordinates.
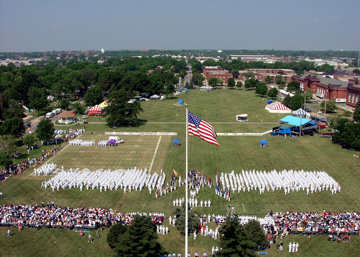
(186, 184)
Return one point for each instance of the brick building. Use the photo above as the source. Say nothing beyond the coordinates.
(262, 74)
(339, 75)
(217, 72)
(323, 87)
(353, 93)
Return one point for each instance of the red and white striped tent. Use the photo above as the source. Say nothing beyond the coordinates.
(277, 107)
(95, 109)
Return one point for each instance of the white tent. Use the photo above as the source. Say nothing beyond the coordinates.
(301, 113)
(277, 107)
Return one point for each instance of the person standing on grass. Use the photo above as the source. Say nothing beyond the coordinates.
(9, 233)
(90, 239)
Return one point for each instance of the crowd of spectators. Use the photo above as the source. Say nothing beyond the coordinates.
(52, 216)
(314, 223)
(20, 167)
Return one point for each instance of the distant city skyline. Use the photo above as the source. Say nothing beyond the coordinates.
(42, 25)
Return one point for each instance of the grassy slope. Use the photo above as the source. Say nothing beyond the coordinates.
(235, 153)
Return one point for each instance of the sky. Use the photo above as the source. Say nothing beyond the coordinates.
(63, 25)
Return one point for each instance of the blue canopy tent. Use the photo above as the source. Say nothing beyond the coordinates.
(263, 143)
(176, 142)
(284, 130)
(295, 121)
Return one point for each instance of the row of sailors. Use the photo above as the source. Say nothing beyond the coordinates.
(46, 169)
(127, 180)
(103, 142)
(209, 232)
(164, 230)
(266, 221)
(293, 247)
(192, 202)
(291, 180)
(81, 142)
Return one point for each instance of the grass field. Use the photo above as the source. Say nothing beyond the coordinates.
(235, 153)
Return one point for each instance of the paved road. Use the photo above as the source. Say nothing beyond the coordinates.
(188, 76)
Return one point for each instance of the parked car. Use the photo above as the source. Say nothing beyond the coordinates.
(321, 125)
(53, 141)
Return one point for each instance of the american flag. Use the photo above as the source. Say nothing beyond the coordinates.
(202, 129)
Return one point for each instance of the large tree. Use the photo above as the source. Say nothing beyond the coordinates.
(231, 83)
(140, 239)
(356, 115)
(13, 126)
(194, 223)
(239, 84)
(273, 92)
(256, 233)
(45, 129)
(268, 79)
(213, 81)
(5, 159)
(250, 83)
(37, 98)
(115, 234)
(347, 134)
(120, 111)
(261, 88)
(296, 101)
(234, 240)
(328, 106)
(308, 95)
(29, 140)
(93, 96)
(197, 79)
(7, 144)
(293, 86)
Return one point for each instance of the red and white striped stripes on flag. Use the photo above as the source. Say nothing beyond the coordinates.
(202, 129)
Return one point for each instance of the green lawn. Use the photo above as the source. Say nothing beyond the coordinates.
(235, 153)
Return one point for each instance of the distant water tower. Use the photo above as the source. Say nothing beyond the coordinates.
(102, 50)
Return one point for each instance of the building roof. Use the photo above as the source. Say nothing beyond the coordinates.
(219, 72)
(337, 72)
(333, 82)
(65, 114)
(295, 121)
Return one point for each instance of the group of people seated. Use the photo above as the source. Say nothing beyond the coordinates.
(315, 223)
(52, 216)
(287, 180)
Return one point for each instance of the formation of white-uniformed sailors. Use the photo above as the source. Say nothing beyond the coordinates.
(160, 229)
(287, 180)
(193, 202)
(82, 142)
(103, 180)
(46, 169)
(103, 142)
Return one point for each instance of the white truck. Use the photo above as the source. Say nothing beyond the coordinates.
(49, 115)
